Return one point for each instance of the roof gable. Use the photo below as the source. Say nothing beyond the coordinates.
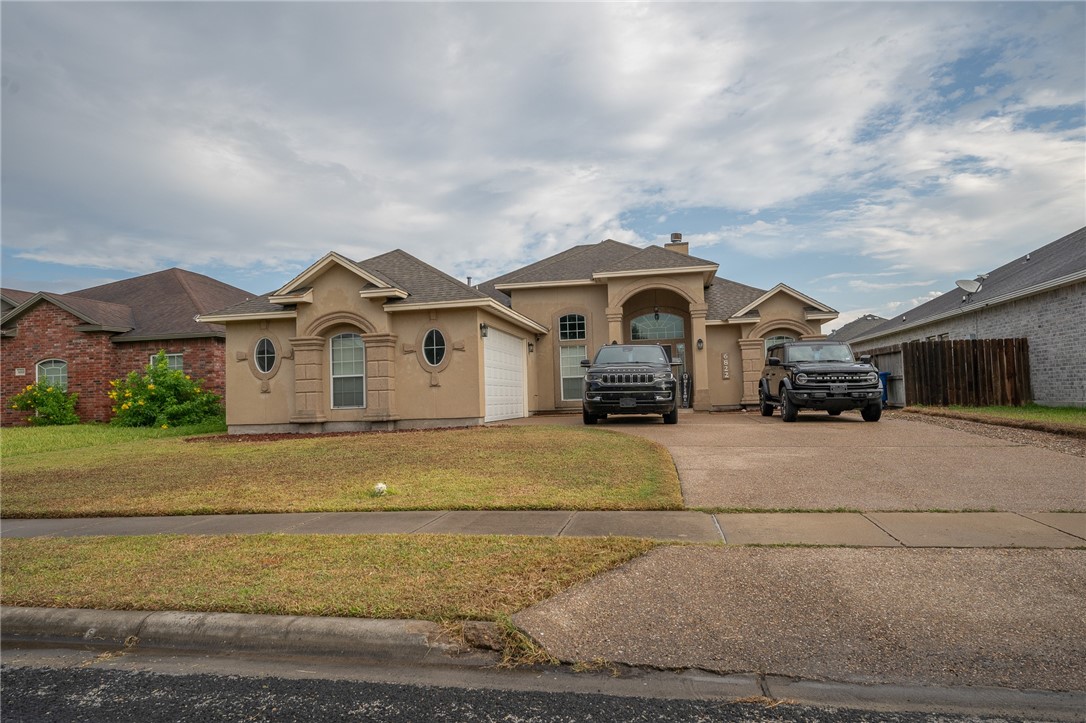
(817, 307)
(96, 315)
(321, 265)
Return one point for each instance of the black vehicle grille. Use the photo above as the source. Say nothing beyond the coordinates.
(626, 378)
(837, 379)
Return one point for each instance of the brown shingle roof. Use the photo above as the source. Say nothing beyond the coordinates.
(164, 303)
(726, 297)
(423, 283)
(574, 264)
(653, 257)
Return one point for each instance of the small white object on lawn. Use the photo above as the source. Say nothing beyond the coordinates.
(380, 488)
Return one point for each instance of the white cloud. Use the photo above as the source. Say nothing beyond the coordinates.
(482, 136)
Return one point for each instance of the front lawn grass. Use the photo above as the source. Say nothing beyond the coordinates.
(1061, 420)
(431, 577)
(467, 469)
(19, 441)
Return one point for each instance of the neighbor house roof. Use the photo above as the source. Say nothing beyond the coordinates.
(159, 305)
(14, 297)
(856, 327)
(1059, 263)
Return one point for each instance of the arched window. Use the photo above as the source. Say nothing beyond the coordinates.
(54, 372)
(571, 327)
(433, 347)
(264, 355)
(778, 339)
(348, 371)
(656, 326)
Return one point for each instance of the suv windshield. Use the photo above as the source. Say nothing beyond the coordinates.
(630, 355)
(819, 353)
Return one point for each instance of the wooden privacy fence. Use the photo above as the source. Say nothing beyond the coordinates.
(967, 372)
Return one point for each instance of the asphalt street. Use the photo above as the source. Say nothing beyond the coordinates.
(87, 694)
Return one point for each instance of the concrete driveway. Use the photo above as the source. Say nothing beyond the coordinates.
(745, 461)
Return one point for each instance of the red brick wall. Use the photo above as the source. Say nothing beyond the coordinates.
(47, 332)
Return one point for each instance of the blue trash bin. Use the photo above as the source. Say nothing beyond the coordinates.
(884, 377)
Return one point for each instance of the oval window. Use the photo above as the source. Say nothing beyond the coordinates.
(264, 355)
(433, 347)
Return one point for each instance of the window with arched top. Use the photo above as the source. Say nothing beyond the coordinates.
(571, 327)
(657, 325)
(777, 339)
(348, 359)
(572, 333)
(54, 372)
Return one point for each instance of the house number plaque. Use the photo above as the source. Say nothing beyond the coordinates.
(725, 372)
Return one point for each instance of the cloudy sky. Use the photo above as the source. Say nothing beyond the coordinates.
(866, 154)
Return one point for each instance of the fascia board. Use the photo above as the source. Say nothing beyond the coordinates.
(384, 293)
(657, 272)
(216, 319)
(164, 337)
(306, 298)
(544, 284)
(487, 304)
(994, 301)
(99, 327)
(820, 317)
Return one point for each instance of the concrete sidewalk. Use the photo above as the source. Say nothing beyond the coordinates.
(869, 529)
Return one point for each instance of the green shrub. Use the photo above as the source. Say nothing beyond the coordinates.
(51, 404)
(161, 397)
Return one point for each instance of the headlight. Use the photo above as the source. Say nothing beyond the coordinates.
(665, 376)
(591, 377)
(801, 378)
(872, 377)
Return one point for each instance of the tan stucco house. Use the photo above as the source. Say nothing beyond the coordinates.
(393, 343)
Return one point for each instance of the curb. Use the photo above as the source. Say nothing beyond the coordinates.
(420, 642)
(410, 642)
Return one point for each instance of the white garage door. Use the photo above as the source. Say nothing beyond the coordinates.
(503, 357)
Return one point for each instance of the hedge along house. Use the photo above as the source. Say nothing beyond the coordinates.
(391, 342)
(85, 338)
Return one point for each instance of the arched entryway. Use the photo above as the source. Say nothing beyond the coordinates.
(662, 316)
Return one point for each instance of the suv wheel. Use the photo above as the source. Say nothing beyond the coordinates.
(788, 408)
(871, 413)
(672, 417)
(763, 404)
(588, 418)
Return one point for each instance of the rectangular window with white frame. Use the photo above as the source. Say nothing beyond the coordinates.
(571, 370)
(174, 362)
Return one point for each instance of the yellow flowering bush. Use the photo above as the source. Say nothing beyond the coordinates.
(161, 397)
(50, 404)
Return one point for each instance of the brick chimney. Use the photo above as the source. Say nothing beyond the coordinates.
(678, 245)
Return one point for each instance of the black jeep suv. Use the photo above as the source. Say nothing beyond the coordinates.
(629, 379)
(818, 375)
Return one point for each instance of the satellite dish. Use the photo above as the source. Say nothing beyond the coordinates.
(969, 286)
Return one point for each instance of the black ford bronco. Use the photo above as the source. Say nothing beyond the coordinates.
(629, 379)
(818, 375)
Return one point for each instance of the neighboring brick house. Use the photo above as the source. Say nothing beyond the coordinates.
(856, 328)
(1040, 296)
(86, 338)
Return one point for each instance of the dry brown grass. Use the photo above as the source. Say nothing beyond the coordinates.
(479, 468)
(432, 577)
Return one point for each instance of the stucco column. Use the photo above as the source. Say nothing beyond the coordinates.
(309, 365)
(698, 312)
(753, 353)
(380, 376)
(614, 324)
